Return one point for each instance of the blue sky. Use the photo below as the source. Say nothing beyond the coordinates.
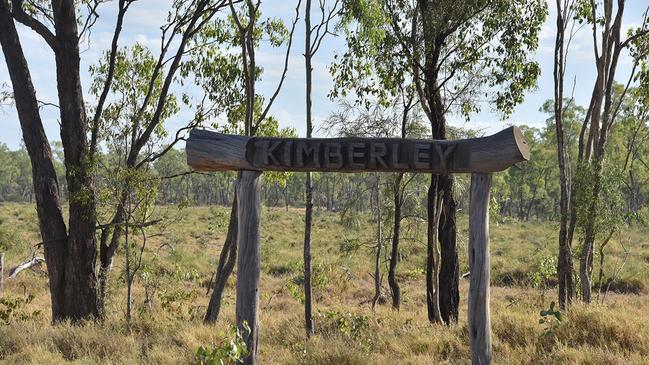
(145, 17)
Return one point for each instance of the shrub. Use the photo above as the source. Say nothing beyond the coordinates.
(13, 309)
(230, 351)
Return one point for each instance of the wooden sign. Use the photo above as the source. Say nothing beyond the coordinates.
(210, 151)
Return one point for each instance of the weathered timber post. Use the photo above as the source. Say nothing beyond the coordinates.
(2, 272)
(248, 263)
(210, 151)
(478, 313)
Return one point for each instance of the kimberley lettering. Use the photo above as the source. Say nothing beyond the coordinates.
(350, 154)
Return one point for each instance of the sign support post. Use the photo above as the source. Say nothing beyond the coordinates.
(478, 313)
(248, 260)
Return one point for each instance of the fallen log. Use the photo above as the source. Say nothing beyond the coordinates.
(34, 261)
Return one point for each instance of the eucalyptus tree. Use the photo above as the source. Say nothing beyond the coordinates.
(566, 20)
(457, 54)
(71, 249)
(609, 44)
(408, 118)
(314, 36)
(249, 118)
(143, 96)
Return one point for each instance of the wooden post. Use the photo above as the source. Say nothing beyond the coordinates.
(248, 264)
(478, 313)
(2, 272)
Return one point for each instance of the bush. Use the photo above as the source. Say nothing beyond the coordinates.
(13, 309)
(230, 351)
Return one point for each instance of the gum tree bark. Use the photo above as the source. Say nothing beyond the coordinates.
(379, 245)
(564, 262)
(394, 253)
(312, 43)
(433, 256)
(398, 202)
(69, 251)
(602, 115)
(225, 266)
(449, 274)
(308, 204)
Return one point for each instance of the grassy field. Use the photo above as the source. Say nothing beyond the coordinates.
(170, 298)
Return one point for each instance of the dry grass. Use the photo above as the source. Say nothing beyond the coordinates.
(347, 331)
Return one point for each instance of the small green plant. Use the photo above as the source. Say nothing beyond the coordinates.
(295, 291)
(230, 351)
(349, 246)
(551, 318)
(13, 309)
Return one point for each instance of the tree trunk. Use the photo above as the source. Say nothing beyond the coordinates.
(308, 217)
(449, 276)
(586, 257)
(224, 267)
(80, 276)
(108, 244)
(248, 265)
(433, 255)
(601, 120)
(25, 265)
(449, 273)
(308, 223)
(602, 255)
(398, 202)
(530, 205)
(478, 311)
(379, 246)
(394, 254)
(2, 272)
(564, 262)
(69, 256)
(330, 196)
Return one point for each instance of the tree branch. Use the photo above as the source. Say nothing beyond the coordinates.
(286, 57)
(22, 17)
(94, 136)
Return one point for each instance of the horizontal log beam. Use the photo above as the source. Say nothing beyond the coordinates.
(211, 151)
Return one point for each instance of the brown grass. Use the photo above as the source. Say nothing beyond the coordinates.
(347, 331)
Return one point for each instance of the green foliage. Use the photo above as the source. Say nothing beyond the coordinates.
(485, 50)
(320, 278)
(295, 291)
(232, 349)
(353, 326)
(177, 302)
(127, 114)
(543, 271)
(551, 319)
(349, 246)
(8, 237)
(13, 309)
